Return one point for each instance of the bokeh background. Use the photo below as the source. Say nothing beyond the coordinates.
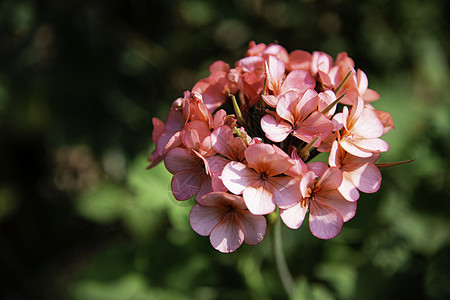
(80, 216)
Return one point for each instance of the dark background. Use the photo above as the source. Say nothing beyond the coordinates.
(81, 218)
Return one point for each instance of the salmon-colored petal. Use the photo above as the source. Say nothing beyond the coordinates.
(306, 184)
(259, 199)
(271, 100)
(293, 216)
(204, 218)
(285, 190)
(227, 236)
(366, 178)
(316, 125)
(287, 104)
(185, 185)
(348, 189)
(237, 176)
(254, 227)
(298, 80)
(330, 180)
(372, 145)
(308, 103)
(351, 148)
(275, 131)
(325, 222)
(180, 159)
(334, 199)
(368, 125)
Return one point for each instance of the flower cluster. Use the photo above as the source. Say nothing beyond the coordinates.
(242, 140)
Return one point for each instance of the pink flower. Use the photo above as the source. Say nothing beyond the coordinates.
(299, 116)
(190, 173)
(261, 181)
(163, 132)
(227, 221)
(361, 132)
(328, 209)
(358, 173)
(278, 83)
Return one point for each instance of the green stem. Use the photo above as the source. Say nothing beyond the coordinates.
(283, 270)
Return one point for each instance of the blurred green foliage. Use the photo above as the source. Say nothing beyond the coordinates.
(80, 216)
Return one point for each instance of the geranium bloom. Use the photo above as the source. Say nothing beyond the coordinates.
(328, 209)
(227, 141)
(190, 173)
(227, 221)
(362, 129)
(299, 116)
(261, 181)
(358, 173)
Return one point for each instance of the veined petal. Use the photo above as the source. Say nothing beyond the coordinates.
(334, 199)
(185, 185)
(368, 125)
(285, 190)
(287, 104)
(275, 131)
(348, 189)
(254, 227)
(271, 100)
(316, 125)
(325, 222)
(204, 218)
(293, 216)
(330, 180)
(366, 178)
(180, 159)
(205, 187)
(373, 145)
(299, 80)
(227, 235)
(236, 177)
(351, 148)
(259, 199)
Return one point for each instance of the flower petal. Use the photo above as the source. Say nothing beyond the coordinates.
(259, 199)
(227, 235)
(275, 131)
(285, 190)
(293, 216)
(204, 218)
(334, 199)
(254, 227)
(325, 222)
(236, 177)
(185, 185)
(366, 178)
(180, 159)
(348, 189)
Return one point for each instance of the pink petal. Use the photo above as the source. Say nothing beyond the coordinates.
(271, 100)
(205, 187)
(353, 149)
(318, 167)
(308, 103)
(330, 180)
(348, 189)
(224, 200)
(287, 104)
(307, 182)
(227, 235)
(293, 216)
(334, 199)
(368, 125)
(373, 145)
(180, 159)
(325, 222)
(275, 131)
(203, 218)
(237, 176)
(254, 227)
(259, 199)
(366, 178)
(285, 190)
(299, 80)
(185, 185)
(316, 125)
(267, 159)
